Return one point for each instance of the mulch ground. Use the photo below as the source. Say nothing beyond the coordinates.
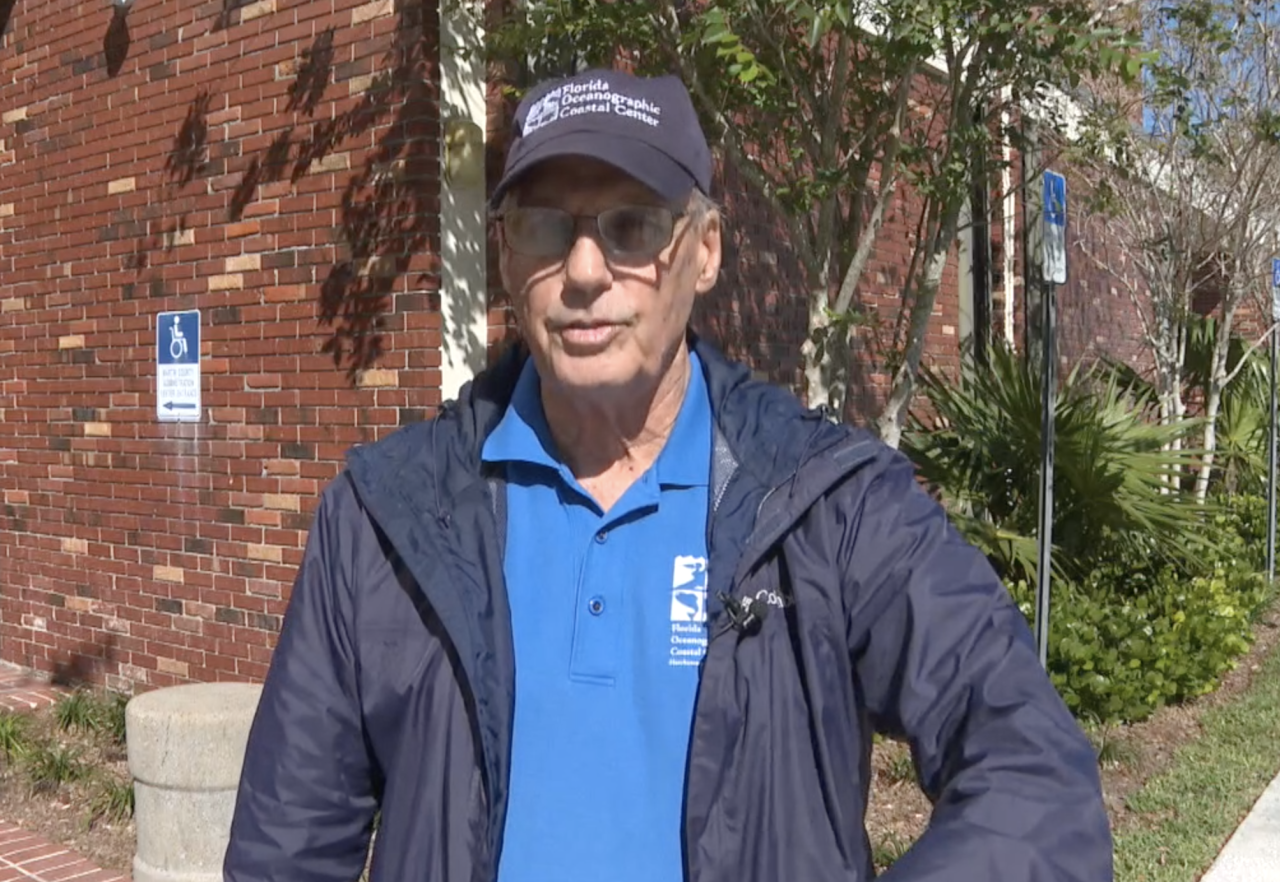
(66, 813)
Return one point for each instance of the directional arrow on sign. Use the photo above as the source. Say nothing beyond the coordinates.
(182, 405)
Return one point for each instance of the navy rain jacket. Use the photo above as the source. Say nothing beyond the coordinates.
(392, 683)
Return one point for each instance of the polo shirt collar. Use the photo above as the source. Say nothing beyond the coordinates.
(522, 435)
(685, 459)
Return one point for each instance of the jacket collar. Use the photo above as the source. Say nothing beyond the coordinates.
(761, 430)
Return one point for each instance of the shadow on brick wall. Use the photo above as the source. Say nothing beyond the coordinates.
(116, 42)
(187, 159)
(163, 223)
(388, 207)
(227, 14)
(6, 10)
(757, 312)
(85, 666)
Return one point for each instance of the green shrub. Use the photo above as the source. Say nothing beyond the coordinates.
(111, 717)
(1119, 655)
(49, 767)
(1115, 474)
(76, 712)
(1244, 521)
(1154, 594)
(85, 711)
(888, 851)
(15, 735)
(113, 799)
(1133, 568)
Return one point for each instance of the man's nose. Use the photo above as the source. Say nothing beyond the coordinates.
(585, 266)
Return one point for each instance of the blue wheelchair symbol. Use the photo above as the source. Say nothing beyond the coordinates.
(177, 342)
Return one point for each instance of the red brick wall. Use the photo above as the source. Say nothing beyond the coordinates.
(757, 312)
(1098, 313)
(274, 164)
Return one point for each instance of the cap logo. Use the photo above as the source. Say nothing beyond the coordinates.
(594, 96)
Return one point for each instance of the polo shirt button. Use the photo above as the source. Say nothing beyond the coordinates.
(596, 605)
(602, 536)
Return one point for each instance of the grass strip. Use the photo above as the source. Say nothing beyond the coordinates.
(1188, 812)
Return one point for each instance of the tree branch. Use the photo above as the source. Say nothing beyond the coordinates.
(1244, 359)
(889, 174)
(743, 162)
(829, 205)
(798, 85)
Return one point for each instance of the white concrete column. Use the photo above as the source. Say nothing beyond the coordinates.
(186, 749)
(964, 273)
(1009, 217)
(463, 260)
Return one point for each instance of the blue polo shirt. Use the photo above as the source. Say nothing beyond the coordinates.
(609, 621)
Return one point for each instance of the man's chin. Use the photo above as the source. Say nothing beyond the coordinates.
(581, 379)
(604, 373)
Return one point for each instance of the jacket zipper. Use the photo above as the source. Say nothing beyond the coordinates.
(857, 459)
(758, 547)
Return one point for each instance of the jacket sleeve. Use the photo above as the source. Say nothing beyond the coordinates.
(306, 802)
(945, 659)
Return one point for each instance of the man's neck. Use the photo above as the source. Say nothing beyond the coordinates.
(608, 444)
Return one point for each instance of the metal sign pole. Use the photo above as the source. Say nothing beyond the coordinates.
(1271, 441)
(1054, 258)
(1271, 464)
(1048, 395)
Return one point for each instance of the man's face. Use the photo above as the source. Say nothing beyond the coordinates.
(599, 318)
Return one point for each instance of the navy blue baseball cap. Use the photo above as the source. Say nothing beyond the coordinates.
(644, 126)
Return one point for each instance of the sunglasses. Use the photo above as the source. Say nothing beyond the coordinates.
(627, 232)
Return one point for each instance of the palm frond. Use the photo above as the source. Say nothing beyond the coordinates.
(1118, 475)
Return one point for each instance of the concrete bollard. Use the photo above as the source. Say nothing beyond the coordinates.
(186, 748)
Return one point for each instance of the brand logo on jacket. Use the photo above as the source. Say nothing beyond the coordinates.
(688, 611)
(773, 598)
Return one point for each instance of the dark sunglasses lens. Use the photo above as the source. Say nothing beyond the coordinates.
(638, 230)
(540, 232)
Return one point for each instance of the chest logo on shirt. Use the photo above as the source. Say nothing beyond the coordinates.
(688, 611)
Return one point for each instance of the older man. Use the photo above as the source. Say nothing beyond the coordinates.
(622, 613)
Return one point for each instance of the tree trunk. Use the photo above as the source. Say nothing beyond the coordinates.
(817, 363)
(1213, 395)
(895, 412)
(1172, 410)
(822, 353)
(1167, 350)
(1213, 403)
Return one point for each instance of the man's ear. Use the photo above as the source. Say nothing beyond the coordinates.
(710, 252)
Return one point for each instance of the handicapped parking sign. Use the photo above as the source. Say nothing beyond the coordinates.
(1055, 228)
(1275, 289)
(179, 342)
(178, 366)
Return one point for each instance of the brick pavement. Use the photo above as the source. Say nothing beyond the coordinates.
(24, 856)
(21, 690)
